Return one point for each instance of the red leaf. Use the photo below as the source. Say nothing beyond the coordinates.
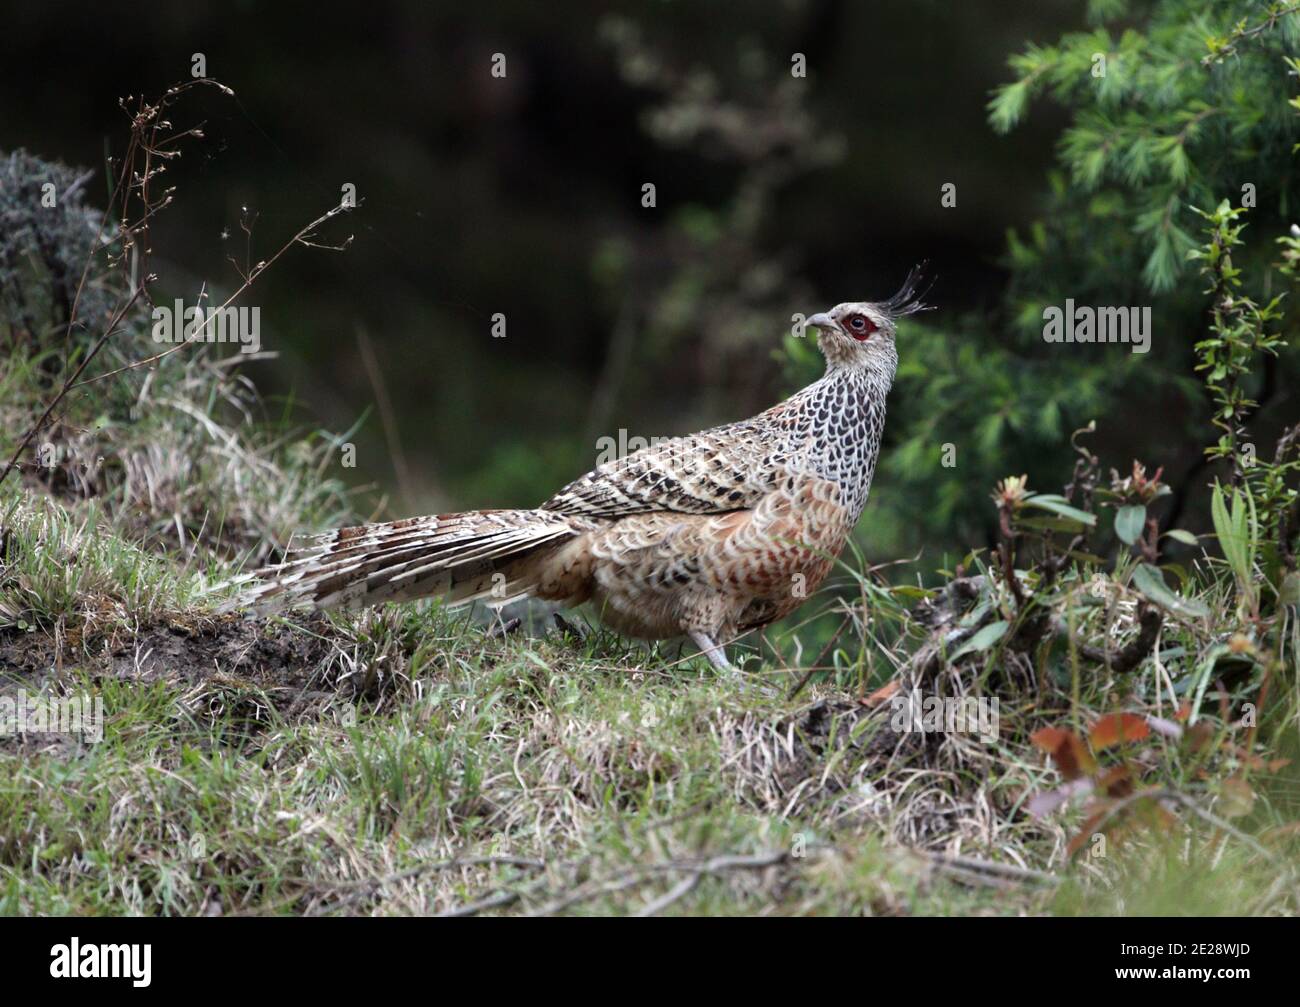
(883, 693)
(1071, 755)
(1087, 831)
(1116, 729)
(1048, 738)
(1116, 782)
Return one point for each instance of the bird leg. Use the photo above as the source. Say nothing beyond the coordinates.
(712, 650)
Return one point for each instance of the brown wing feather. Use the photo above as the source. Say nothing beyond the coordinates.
(724, 469)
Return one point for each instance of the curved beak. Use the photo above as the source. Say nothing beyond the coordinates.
(822, 321)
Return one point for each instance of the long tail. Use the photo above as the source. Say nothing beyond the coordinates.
(478, 554)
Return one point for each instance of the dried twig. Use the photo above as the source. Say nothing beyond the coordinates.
(258, 270)
(968, 867)
(1134, 652)
(138, 169)
(817, 664)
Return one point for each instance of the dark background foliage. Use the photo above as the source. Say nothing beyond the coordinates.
(523, 196)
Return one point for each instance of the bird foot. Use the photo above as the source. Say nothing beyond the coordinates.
(713, 650)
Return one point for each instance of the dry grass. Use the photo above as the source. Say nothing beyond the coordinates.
(406, 761)
(402, 761)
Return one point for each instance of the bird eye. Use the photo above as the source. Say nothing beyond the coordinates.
(860, 326)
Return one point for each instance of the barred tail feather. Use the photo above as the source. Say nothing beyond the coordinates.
(463, 557)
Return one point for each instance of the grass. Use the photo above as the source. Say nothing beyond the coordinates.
(409, 760)
(404, 761)
(232, 793)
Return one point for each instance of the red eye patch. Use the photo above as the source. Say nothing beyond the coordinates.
(859, 326)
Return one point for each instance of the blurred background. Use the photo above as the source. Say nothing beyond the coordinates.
(523, 195)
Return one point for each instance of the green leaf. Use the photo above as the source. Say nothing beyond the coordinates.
(1223, 526)
(1151, 582)
(1059, 505)
(1179, 535)
(1238, 532)
(982, 640)
(1202, 679)
(1129, 521)
(1007, 105)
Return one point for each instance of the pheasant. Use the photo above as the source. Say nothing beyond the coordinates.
(708, 536)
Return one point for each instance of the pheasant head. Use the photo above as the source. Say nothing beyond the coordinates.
(860, 334)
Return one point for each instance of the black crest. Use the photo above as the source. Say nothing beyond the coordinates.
(908, 301)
